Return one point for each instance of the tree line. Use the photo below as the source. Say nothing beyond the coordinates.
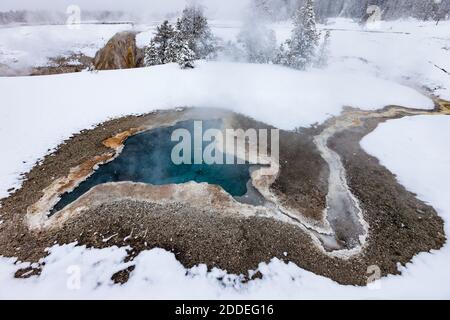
(391, 9)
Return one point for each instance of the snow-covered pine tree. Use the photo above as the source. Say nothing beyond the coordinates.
(194, 28)
(440, 12)
(151, 55)
(324, 54)
(178, 51)
(155, 52)
(302, 46)
(185, 56)
(282, 56)
(391, 9)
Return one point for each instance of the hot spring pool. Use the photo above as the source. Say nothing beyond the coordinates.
(146, 158)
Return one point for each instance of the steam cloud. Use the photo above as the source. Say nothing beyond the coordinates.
(139, 8)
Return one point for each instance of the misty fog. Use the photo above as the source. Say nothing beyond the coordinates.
(51, 11)
(131, 9)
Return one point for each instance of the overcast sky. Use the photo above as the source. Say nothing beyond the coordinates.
(217, 8)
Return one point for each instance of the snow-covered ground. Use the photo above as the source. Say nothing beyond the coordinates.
(365, 69)
(404, 51)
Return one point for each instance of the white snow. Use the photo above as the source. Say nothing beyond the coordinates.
(404, 51)
(416, 149)
(43, 111)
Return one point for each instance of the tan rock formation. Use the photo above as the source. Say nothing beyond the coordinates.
(120, 52)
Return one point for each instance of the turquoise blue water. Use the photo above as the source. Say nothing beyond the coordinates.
(146, 158)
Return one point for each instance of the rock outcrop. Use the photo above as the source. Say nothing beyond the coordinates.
(120, 52)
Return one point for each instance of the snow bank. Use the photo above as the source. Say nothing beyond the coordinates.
(416, 149)
(159, 275)
(40, 112)
(405, 51)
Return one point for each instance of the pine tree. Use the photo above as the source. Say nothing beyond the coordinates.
(155, 52)
(185, 56)
(194, 27)
(302, 46)
(282, 56)
(151, 55)
(324, 54)
(178, 51)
